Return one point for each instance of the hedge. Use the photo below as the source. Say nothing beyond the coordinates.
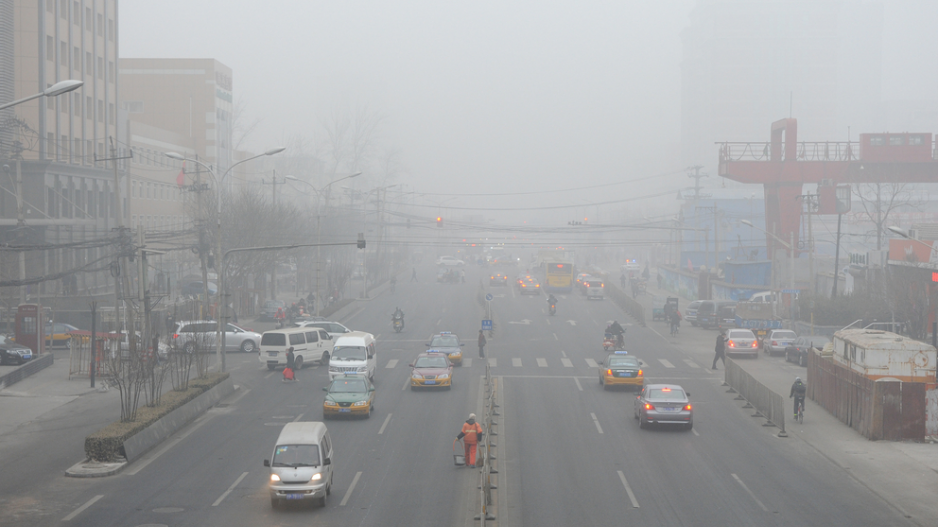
(107, 444)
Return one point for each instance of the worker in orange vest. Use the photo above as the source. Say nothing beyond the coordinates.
(471, 435)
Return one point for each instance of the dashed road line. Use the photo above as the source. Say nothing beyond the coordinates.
(81, 509)
(628, 489)
(567, 363)
(694, 430)
(516, 362)
(297, 419)
(385, 425)
(591, 363)
(563, 353)
(596, 422)
(751, 495)
(578, 385)
(231, 488)
(391, 363)
(666, 363)
(493, 363)
(542, 362)
(691, 363)
(406, 383)
(555, 337)
(351, 487)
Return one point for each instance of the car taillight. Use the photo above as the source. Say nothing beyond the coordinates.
(648, 406)
(731, 344)
(755, 344)
(609, 373)
(640, 373)
(175, 335)
(775, 343)
(688, 408)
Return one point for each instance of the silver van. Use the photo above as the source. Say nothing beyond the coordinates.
(594, 288)
(301, 464)
(354, 352)
(309, 345)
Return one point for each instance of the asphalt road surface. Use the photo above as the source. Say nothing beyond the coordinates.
(570, 452)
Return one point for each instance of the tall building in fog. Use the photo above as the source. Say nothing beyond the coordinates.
(747, 63)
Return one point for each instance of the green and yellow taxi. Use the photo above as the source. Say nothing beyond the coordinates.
(621, 369)
(431, 370)
(448, 344)
(349, 395)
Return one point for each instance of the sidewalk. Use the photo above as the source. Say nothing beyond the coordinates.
(903, 474)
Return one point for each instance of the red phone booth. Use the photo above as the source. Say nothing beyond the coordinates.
(30, 327)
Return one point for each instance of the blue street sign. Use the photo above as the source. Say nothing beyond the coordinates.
(486, 325)
(489, 297)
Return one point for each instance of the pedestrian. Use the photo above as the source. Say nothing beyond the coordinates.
(471, 434)
(413, 275)
(720, 350)
(482, 343)
(291, 365)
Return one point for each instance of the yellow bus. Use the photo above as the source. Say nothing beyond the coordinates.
(559, 276)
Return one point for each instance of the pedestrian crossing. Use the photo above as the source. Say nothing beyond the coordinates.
(543, 362)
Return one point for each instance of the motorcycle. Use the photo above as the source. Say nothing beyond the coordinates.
(609, 342)
(392, 287)
(398, 324)
(553, 309)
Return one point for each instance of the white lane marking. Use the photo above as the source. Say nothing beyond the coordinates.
(238, 397)
(578, 385)
(548, 323)
(351, 487)
(192, 428)
(406, 382)
(493, 363)
(391, 363)
(689, 362)
(466, 363)
(564, 353)
(231, 488)
(437, 323)
(555, 338)
(295, 420)
(591, 363)
(751, 495)
(385, 425)
(628, 489)
(694, 430)
(596, 422)
(81, 509)
(567, 363)
(666, 363)
(377, 337)
(516, 362)
(265, 376)
(540, 362)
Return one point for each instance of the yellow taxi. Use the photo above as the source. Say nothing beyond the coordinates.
(57, 334)
(431, 370)
(621, 369)
(349, 395)
(448, 344)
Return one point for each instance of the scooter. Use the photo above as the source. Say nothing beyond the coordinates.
(553, 309)
(398, 324)
(609, 342)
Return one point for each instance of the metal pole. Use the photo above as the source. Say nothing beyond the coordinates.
(791, 279)
(94, 350)
(21, 228)
(837, 258)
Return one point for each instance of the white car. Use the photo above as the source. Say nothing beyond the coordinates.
(450, 261)
(334, 329)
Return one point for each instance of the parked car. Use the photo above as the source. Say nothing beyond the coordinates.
(269, 311)
(778, 340)
(742, 342)
(450, 261)
(690, 312)
(13, 353)
(199, 335)
(798, 351)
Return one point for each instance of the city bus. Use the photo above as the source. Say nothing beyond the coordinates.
(559, 276)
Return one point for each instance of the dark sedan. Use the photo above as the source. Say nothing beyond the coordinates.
(798, 350)
(13, 353)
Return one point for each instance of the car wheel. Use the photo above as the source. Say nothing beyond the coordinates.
(371, 409)
(271, 366)
(322, 501)
(248, 346)
(324, 360)
(641, 422)
(689, 426)
(329, 487)
(803, 360)
(274, 503)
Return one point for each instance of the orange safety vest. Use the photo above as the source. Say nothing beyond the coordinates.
(471, 433)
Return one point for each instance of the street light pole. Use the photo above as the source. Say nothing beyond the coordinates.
(52, 91)
(222, 302)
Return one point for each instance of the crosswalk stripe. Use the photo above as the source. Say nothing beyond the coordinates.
(691, 363)
(591, 363)
(666, 363)
(466, 363)
(391, 363)
(493, 362)
(516, 362)
(542, 363)
(567, 363)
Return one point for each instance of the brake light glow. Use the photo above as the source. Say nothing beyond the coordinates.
(609, 372)
(640, 373)
(775, 343)
(688, 408)
(175, 335)
(648, 406)
(755, 344)
(666, 389)
(731, 344)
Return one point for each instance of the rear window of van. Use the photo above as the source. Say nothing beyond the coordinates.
(273, 339)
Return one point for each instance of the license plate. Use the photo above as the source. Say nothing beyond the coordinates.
(625, 374)
(429, 382)
(294, 496)
(271, 353)
(669, 409)
(345, 409)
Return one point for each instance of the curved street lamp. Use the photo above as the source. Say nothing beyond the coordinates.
(52, 91)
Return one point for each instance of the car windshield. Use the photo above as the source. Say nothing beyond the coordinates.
(444, 341)
(296, 456)
(431, 362)
(784, 335)
(664, 393)
(623, 362)
(349, 353)
(348, 386)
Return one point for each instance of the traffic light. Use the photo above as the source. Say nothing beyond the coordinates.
(439, 221)
(361, 240)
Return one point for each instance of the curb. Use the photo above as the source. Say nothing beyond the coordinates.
(25, 370)
(94, 469)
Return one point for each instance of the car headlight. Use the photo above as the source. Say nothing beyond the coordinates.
(416, 376)
(362, 369)
(455, 354)
(329, 403)
(333, 368)
(274, 478)
(444, 376)
(316, 477)
(360, 403)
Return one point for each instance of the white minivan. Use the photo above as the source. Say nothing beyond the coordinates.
(354, 352)
(301, 464)
(594, 288)
(309, 345)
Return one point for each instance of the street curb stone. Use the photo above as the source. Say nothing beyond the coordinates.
(25, 370)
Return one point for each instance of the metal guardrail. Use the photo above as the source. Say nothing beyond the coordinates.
(806, 151)
(488, 445)
(767, 403)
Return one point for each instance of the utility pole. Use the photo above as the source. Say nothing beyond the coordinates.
(696, 177)
(119, 216)
(21, 229)
(837, 258)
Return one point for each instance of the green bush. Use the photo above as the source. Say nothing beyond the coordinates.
(107, 444)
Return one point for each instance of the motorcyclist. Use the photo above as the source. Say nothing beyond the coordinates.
(398, 315)
(798, 390)
(552, 301)
(617, 331)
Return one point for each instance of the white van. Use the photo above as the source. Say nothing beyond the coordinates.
(301, 464)
(764, 296)
(354, 353)
(594, 288)
(309, 345)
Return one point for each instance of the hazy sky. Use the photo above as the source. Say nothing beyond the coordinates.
(477, 96)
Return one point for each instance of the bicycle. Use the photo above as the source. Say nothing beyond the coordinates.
(675, 329)
(800, 416)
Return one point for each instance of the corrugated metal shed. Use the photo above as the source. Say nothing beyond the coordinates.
(877, 354)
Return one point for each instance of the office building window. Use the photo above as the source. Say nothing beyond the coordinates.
(63, 9)
(100, 68)
(76, 152)
(110, 72)
(100, 111)
(76, 58)
(88, 65)
(76, 13)
(89, 109)
(110, 109)
(63, 53)
(76, 104)
(110, 29)
(89, 153)
(133, 189)
(63, 147)
(100, 25)
(50, 48)
(49, 5)
(87, 19)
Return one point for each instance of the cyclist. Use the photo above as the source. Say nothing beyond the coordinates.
(675, 321)
(798, 390)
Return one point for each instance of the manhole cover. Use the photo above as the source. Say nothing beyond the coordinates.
(168, 509)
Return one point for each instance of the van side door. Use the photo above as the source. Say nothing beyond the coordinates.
(298, 342)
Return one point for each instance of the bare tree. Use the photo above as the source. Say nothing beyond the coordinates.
(350, 139)
(881, 199)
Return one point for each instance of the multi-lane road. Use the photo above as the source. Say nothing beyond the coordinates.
(570, 453)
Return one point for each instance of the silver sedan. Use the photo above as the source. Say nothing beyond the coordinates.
(778, 341)
(664, 404)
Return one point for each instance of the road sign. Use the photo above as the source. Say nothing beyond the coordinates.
(489, 297)
(486, 325)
